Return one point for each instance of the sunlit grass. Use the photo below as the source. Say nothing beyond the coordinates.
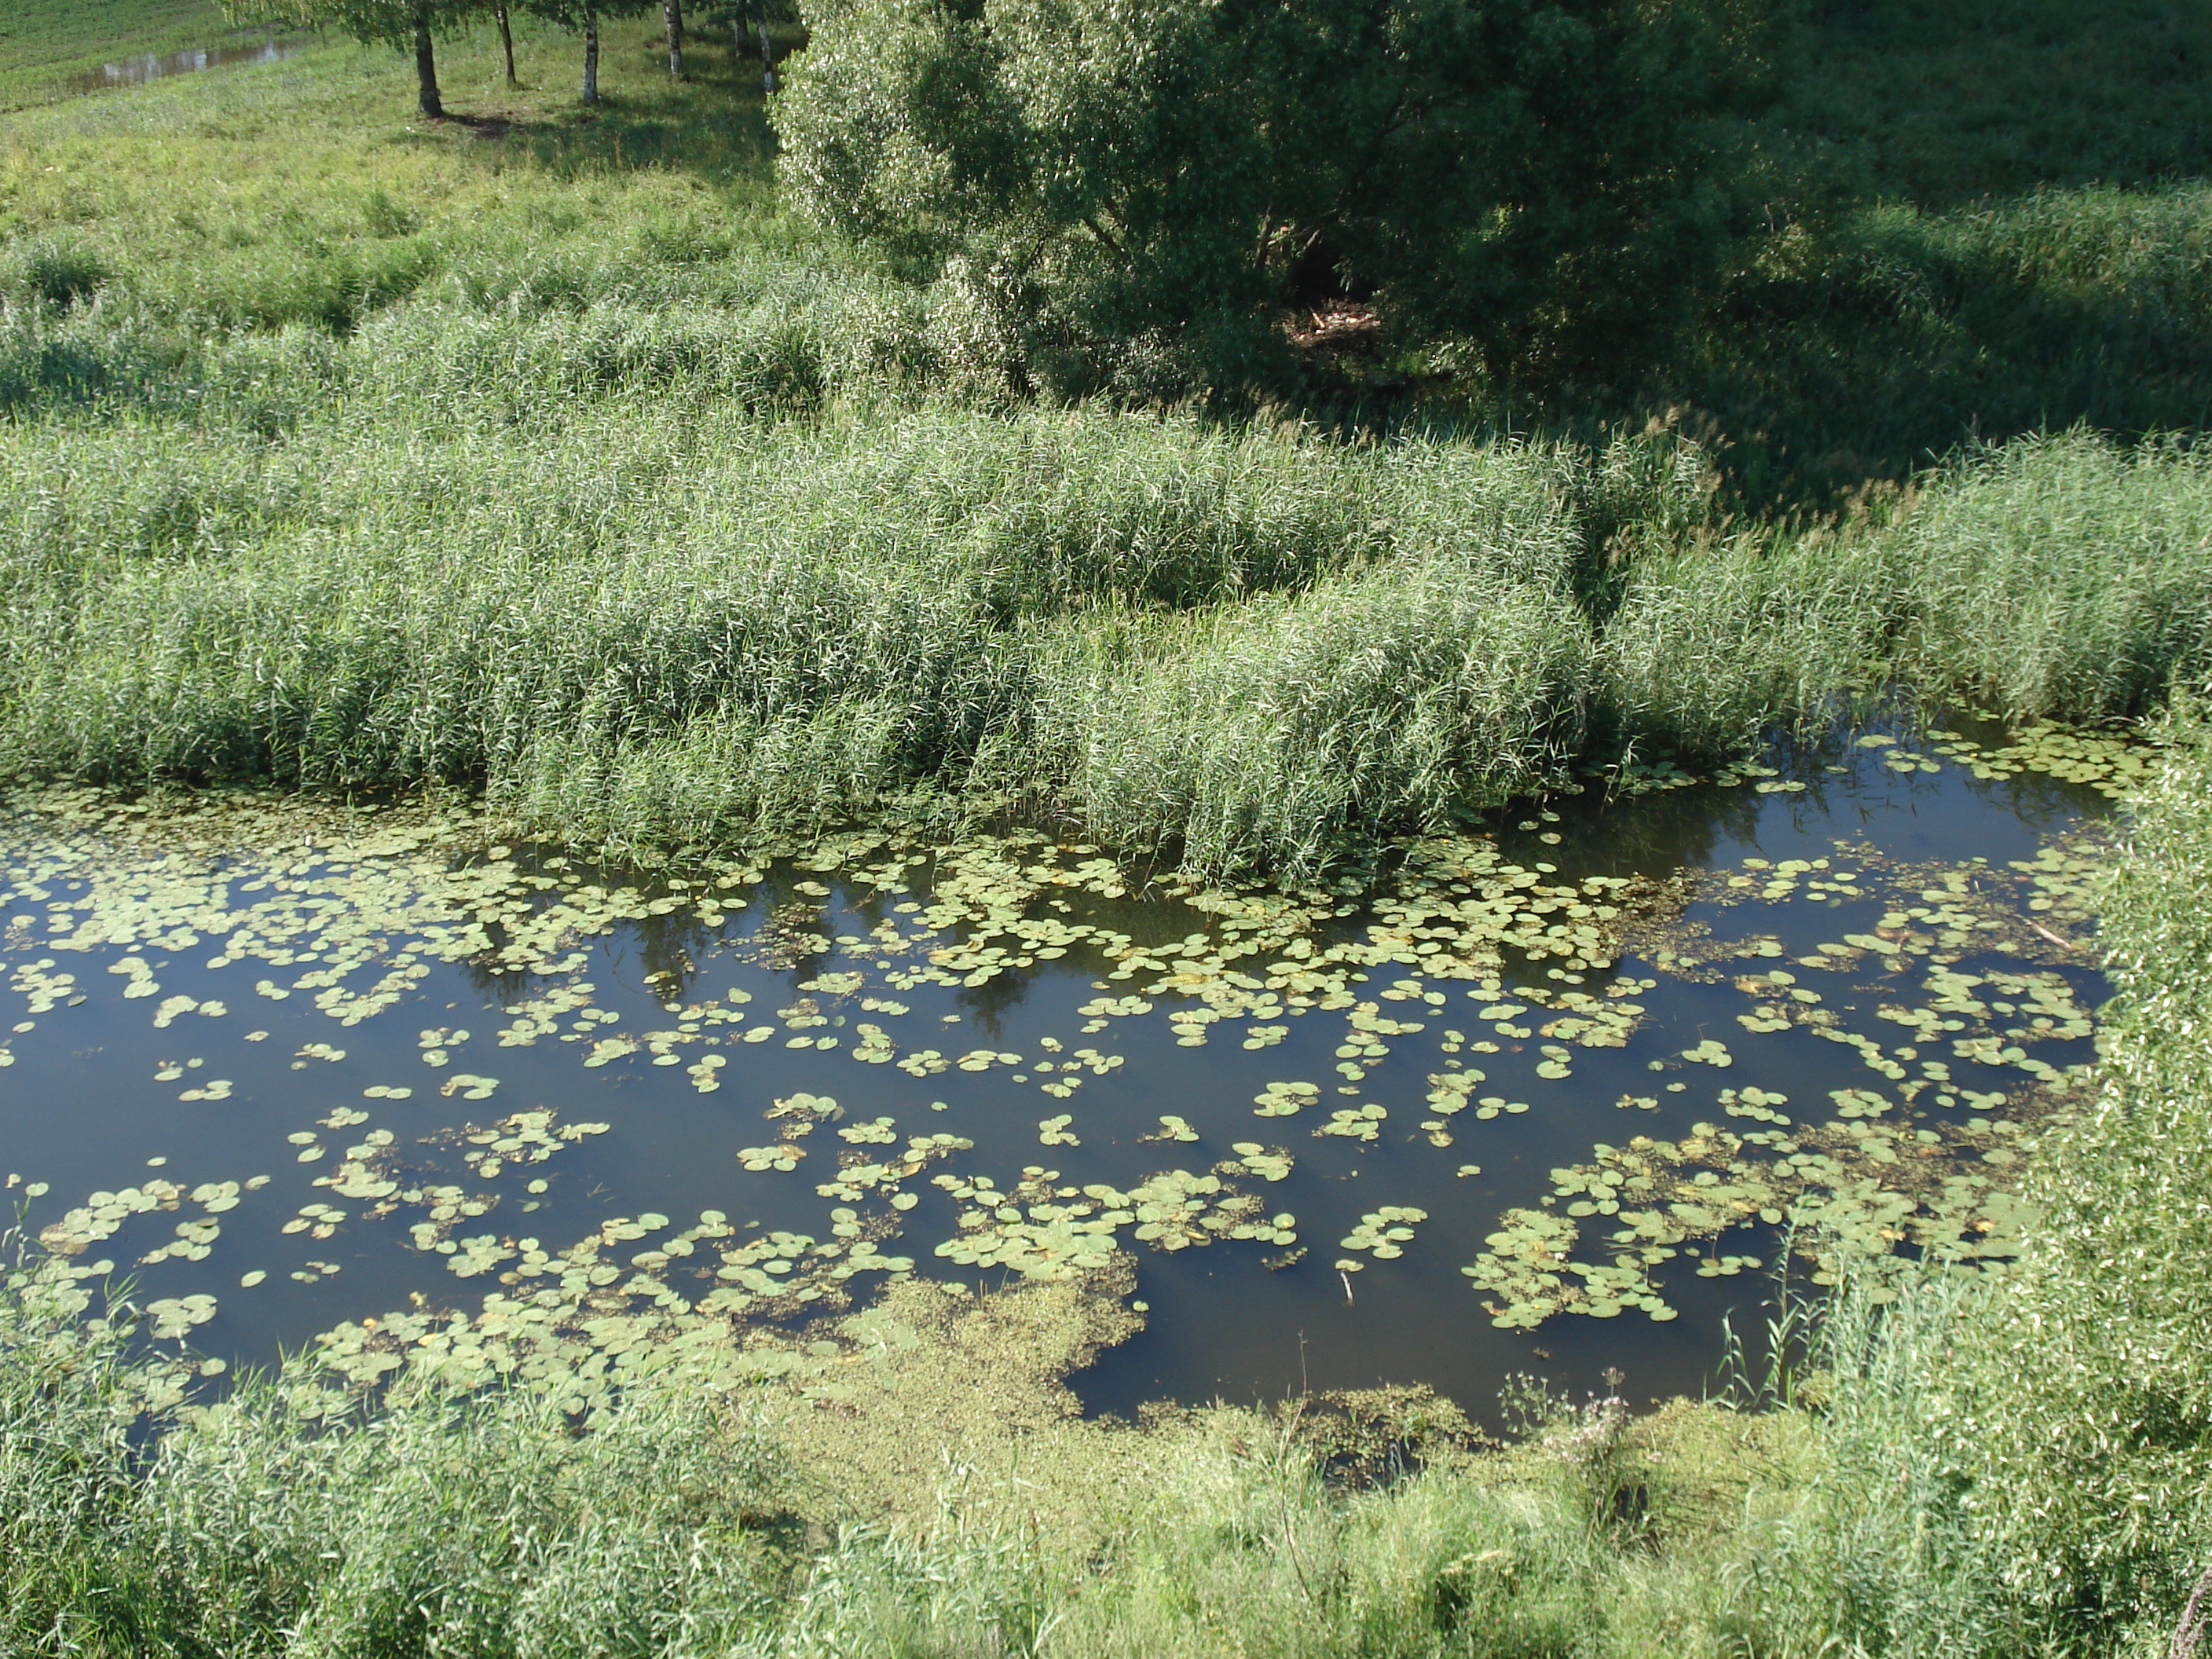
(308, 190)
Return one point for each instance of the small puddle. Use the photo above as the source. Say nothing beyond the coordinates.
(1542, 1105)
(156, 65)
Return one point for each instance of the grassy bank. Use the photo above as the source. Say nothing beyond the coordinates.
(45, 44)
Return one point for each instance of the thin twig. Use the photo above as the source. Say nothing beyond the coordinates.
(2062, 944)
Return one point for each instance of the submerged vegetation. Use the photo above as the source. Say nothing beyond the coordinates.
(538, 461)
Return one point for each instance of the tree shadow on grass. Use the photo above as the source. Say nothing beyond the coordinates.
(712, 124)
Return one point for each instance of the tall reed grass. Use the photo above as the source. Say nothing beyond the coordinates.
(650, 617)
(665, 594)
(2063, 577)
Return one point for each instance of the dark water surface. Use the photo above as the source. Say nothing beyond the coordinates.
(109, 1096)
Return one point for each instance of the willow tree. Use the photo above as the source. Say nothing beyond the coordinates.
(404, 24)
(1542, 185)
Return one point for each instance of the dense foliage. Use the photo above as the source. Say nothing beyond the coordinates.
(1552, 184)
(2086, 1413)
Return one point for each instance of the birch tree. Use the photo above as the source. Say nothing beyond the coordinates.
(584, 16)
(671, 20)
(742, 18)
(402, 24)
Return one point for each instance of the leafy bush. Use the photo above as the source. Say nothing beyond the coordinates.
(1136, 192)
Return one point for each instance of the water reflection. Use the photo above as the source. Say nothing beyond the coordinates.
(693, 1006)
(157, 65)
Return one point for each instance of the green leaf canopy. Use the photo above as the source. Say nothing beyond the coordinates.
(1554, 182)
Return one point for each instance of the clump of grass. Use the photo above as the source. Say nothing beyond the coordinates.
(2063, 577)
(1710, 649)
(58, 270)
(280, 1519)
(1273, 734)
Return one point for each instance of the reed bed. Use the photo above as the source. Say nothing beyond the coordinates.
(910, 602)
(577, 572)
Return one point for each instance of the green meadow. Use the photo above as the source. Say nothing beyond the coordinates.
(544, 459)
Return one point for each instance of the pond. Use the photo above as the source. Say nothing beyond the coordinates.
(1544, 1097)
(146, 66)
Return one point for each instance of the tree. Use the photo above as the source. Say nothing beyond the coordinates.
(586, 15)
(506, 39)
(397, 23)
(671, 20)
(740, 15)
(1552, 184)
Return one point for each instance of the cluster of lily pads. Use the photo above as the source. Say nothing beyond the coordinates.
(1461, 953)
